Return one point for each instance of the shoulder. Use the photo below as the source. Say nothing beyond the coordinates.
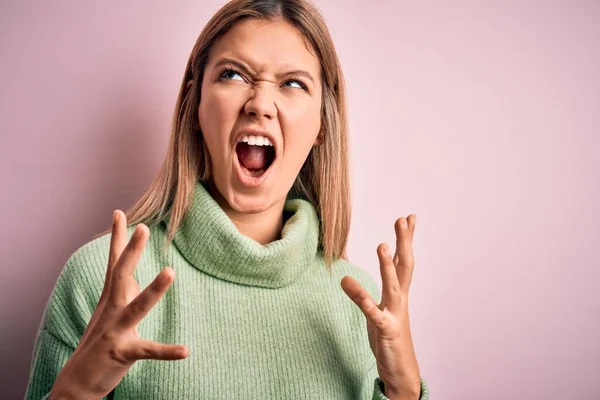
(342, 267)
(75, 293)
(85, 269)
(77, 289)
(345, 316)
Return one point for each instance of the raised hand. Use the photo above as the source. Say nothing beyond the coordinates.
(110, 344)
(388, 323)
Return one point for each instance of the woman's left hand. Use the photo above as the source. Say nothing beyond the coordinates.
(388, 324)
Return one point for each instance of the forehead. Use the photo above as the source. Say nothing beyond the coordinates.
(266, 45)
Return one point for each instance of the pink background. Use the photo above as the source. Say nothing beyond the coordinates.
(480, 117)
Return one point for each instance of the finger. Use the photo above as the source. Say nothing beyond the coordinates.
(404, 252)
(364, 301)
(412, 222)
(143, 303)
(403, 239)
(125, 266)
(118, 240)
(148, 350)
(390, 293)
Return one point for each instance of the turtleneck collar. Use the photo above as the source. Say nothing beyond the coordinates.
(210, 241)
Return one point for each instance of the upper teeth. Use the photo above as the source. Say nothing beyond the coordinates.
(257, 140)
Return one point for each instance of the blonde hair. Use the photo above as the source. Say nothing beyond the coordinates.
(324, 177)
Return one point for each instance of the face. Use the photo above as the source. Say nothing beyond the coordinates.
(260, 112)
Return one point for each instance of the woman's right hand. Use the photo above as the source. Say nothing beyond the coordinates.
(110, 344)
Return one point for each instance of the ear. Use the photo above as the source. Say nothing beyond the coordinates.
(319, 140)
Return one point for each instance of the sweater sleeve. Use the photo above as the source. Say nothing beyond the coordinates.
(50, 355)
(379, 389)
(66, 315)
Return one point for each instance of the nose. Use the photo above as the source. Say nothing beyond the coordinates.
(261, 104)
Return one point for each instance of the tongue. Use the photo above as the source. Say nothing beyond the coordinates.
(252, 157)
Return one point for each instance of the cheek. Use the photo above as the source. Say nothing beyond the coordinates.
(300, 123)
(217, 114)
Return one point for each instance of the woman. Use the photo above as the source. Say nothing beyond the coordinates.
(251, 210)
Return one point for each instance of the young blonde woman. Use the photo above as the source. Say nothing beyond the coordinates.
(251, 211)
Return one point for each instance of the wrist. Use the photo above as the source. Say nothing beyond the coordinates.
(404, 393)
(61, 394)
(69, 391)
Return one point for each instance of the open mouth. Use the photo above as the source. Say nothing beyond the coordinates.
(255, 156)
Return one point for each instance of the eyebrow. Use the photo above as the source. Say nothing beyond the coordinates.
(242, 66)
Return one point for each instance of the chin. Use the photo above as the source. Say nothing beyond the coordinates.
(247, 202)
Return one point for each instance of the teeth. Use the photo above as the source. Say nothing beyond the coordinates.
(257, 140)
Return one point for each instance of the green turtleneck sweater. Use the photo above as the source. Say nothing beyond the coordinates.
(261, 322)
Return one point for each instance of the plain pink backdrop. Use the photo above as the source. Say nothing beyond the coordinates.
(481, 117)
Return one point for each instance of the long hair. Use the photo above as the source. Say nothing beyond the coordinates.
(323, 179)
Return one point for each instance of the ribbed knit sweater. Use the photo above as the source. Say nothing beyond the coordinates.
(261, 322)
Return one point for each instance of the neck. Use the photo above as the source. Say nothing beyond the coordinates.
(263, 227)
(209, 240)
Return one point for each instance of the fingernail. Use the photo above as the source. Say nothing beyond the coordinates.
(386, 250)
(115, 216)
